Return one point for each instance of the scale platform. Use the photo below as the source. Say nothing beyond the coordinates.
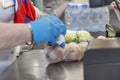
(102, 60)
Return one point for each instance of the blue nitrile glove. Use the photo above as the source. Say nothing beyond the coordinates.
(47, 29)
(60, 41)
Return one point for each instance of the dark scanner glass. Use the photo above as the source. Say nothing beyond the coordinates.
(99, 3)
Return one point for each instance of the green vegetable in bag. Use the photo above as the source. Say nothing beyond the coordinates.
(84, 36)
(70, 36)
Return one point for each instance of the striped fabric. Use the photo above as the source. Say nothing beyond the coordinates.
(24, 11)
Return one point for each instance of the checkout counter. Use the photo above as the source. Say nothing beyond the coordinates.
(32, 65)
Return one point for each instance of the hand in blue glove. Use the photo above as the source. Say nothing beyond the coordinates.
(47, 29)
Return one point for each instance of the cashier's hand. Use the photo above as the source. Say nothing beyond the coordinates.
(48, 29)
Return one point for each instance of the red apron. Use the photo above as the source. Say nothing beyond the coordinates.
(24, 11)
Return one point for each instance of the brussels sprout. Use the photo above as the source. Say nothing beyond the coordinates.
(70, 36)
(84, 36)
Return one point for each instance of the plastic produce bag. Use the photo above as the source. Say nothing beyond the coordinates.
(54, 54)
(71, 52)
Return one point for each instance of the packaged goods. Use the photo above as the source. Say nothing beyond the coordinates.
(76, 45)
(71, 52)
(83, 46)
(54, 54)
(82, 17)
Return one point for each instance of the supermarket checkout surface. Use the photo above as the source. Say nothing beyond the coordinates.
(32, 65)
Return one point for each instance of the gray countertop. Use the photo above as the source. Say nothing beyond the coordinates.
(32, 65)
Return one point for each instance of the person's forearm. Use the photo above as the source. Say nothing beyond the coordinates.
(13, 34)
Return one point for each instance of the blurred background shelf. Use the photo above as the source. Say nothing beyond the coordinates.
(55, 7)
(58, 10)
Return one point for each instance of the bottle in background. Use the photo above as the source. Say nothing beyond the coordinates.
(82, 17)
(68, 17)
(75, 14)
